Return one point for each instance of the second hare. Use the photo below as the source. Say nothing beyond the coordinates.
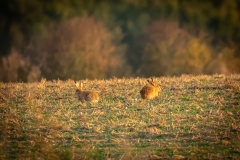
(90, 96)
(150, 91)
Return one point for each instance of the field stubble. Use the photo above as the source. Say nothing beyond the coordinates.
(193, 117)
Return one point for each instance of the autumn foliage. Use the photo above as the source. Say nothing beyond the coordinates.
(78, 48)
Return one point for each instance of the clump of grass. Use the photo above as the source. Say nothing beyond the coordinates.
(194, 117)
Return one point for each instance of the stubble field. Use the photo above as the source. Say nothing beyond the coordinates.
(194, 117)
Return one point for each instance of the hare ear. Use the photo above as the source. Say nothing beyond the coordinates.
(77, 83)
(81, 84)
(150, 82)
(152, 79)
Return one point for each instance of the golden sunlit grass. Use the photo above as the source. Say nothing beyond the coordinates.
(193, 117)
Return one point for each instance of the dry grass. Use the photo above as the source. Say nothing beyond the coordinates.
(194, 117)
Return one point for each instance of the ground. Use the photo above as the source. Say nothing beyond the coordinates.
(194, 117)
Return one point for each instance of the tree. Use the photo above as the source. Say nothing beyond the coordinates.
(78, 48)
(173, 51)
(191, 59)
(225, 63)
(16, 67)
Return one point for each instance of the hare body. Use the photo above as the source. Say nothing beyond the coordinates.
(90, 96)
(150, 91)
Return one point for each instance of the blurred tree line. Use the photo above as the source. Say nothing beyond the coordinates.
(78, 39)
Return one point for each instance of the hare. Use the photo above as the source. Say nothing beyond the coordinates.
(90, 96)
(150, 91)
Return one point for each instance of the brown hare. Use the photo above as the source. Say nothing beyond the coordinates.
(90, 96)
(150, 91)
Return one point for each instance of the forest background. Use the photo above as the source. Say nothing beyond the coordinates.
(79, 39)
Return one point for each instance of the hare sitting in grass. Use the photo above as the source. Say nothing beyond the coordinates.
(150, 91)
(90, 96)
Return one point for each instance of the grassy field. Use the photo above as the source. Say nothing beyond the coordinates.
(194, 117)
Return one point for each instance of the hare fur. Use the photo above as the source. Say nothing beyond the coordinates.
(150, 91)
(90, 96)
